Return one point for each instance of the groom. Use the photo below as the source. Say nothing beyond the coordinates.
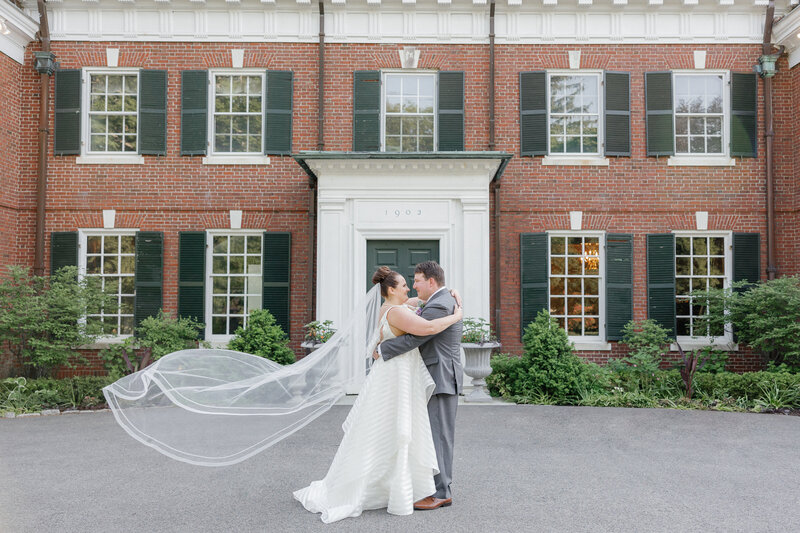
(442, 355)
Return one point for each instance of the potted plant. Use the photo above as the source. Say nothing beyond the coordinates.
(478, 341)
(317, 333)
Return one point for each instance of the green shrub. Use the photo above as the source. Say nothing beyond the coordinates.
(41, 317)
(547, 372)
(617, 398)
(23, 395)
(155, 337)
(647, 342)
(749, 385)
(765, 316)
(263, 337)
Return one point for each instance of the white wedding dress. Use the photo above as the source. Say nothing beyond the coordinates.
(386, 457)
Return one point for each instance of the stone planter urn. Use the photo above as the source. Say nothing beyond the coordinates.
(476, 366)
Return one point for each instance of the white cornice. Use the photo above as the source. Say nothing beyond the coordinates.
(22, 30)
(412, 21)
(787, 33)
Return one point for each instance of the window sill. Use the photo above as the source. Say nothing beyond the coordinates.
(592, 346)
(587, 161)
(104, 342)
(700, 161)
(236, 160)
(696, 344)
(110, 160)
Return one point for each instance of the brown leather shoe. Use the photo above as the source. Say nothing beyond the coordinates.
(431, 502)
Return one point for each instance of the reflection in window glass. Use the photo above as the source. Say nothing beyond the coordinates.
(238, 115)
(113, 112)
(236, 281)
(574, 114)
(699, 114)
(111, 259)
(699, 266)
(409, 107)
(575, 284)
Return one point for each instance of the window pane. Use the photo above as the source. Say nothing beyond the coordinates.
(682, 286)
(573, 286)
(717, 246)
(237, 244)
(557, 245)
(236, 285)
(717, 266)
(575, 326)
(219, 265)
(591, 286)
(591, 306)
(556, 306)
(254, 85)
(557, 286)
(236, 264)
(557, 266)
(575, 246)
(574, 266)
(699, 246)
(127, 285)
(222, 104)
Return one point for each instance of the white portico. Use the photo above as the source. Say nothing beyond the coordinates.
(440, 197)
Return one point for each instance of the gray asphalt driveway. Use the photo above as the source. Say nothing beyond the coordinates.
(517, 468)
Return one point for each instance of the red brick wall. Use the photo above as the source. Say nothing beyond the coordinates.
(638, 195)
(10, 110)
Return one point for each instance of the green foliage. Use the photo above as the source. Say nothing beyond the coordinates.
(263, 337)
(715, 360)
(765, 316)
(318, 332)
(41, 317)
(477, 331)
(548, 371)
(750, 385)
(647, 342)
(156, 337)
(617, 398)
(22, 395)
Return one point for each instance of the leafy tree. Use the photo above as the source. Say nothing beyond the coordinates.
(765, 316)
(263, 337)
(648, 342)
(41, 317)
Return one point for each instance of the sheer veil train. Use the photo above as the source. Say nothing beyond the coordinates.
(214, 407)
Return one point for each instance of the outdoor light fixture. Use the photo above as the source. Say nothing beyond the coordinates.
(45, 62)
(4, 27)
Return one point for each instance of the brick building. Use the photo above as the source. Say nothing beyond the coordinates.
(598, 158)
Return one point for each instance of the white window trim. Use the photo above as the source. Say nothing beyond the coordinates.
(584, 342)
(233, 158)
(104, 158)
(705, 160)
(579, 159)
(726, 341)
(220, 340)
(411, 72)
(103, 341)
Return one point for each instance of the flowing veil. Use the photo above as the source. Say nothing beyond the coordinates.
(215, 407)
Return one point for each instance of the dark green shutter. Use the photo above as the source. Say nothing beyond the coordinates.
(618, 113)
(533, 258)
(744, 103)
(149, 275)
(153, 112)
(194, 112)
(658, 110)
(67, 138)
(366, 111)
(63, 250)
(278, 112)
(533, 113)
(451, 112)
(192, 275)
(747, 257)
(277, 259)
(661, 280)
(619, 283)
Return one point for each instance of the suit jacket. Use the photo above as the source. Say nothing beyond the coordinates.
(441, 352)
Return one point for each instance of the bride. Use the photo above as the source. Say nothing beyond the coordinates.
(386, 457)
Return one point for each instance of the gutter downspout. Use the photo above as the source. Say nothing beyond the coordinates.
(44, 134)
(769, 135)
(496, 182)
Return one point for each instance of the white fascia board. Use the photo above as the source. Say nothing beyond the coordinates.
(22, 30)
(786, 32)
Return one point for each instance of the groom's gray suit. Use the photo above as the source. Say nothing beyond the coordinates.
(442, 355)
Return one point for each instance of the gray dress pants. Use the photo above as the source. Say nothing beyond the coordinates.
(442, 413)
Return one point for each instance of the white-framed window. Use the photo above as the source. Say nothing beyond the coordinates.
(110, 256)
(701, 120)
(111, 102)
(235, 282)
(577, 283)
(703, 260)
(575, 112)
(236, 120)
(408, 105)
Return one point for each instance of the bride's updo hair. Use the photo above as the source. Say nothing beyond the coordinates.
(387, 278)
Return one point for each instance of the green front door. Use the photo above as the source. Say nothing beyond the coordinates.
(401, 256)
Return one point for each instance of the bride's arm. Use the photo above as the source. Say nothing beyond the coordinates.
(406, 320)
